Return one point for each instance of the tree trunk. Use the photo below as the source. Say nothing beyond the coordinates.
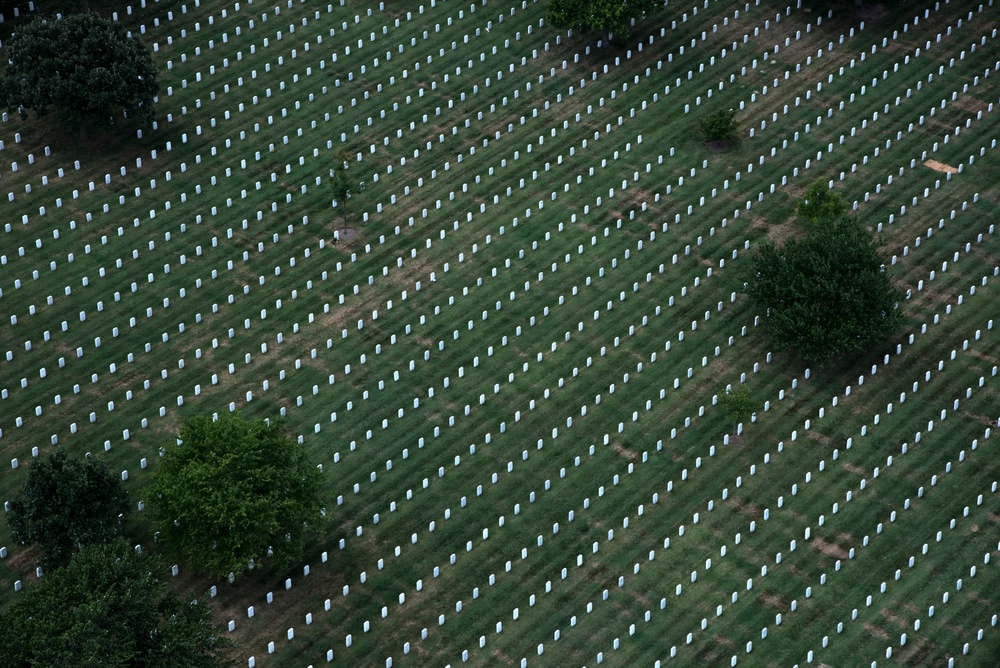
(343, 223)
(606, 36)
(83, 129)
(85, 6)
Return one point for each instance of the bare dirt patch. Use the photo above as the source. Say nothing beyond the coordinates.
(717, 146)
(776, 234)
(894, 618)
(338, 317)
(342, 239)
(829, 549)
(979, 355)
(503, 658)
(643, 600)
(631, 455)
(823, 439)
(941, 167)
(795, 190)
(875, 630)
(916, 653)
(345, 234)
(772, 601)
(24, 558)
(969, 103)
(751, 510)
(933, 294)
(855, 469)
(636, 196)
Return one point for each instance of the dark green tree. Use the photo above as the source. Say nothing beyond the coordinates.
(738, 405)
(825, 295)
(719, 126)
(108, 608)
(84, 66)
(233, 493)
(611, 17)
(65, 504)
(343, 186)
(821, 205)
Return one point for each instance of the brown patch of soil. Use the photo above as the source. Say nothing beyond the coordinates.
(983, 356)
(829, 549)
(795, 190)
(772, 601)
(642, 599)
(339, 316)
(818, 437)
(776, 234)
(941, 167)
(855, 469)
(717, 146)
(968, 103)
(894, 618)
(500, 656)
(22, 559)
(344, 234)
(916, 653)
(749, 509)
(932, 293)
(631, 455)
(875, 631)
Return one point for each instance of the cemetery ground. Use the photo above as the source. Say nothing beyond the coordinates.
(510, 375)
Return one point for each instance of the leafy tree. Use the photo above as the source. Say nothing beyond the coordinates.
(343, 186)
(738, 405)
(825, 295)
(821, 205)
(612, 17)
(233, 493)
(65, 504)
(719, 126)
(107, 607)
(82, 65)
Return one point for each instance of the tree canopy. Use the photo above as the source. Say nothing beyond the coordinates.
(84, 66)
(235, 492)
(825, 295)
(343, 186)
(65, 504)
(610, 16)
(821, 205)
(738, 404)
(719, 126)
(107, 608)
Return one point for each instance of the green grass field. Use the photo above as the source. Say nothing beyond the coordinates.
(508, 365)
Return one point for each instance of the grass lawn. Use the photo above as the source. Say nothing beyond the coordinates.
(508, 358)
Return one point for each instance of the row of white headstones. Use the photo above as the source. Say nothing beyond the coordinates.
(385, 269)
(182, 259)
(265, 385)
